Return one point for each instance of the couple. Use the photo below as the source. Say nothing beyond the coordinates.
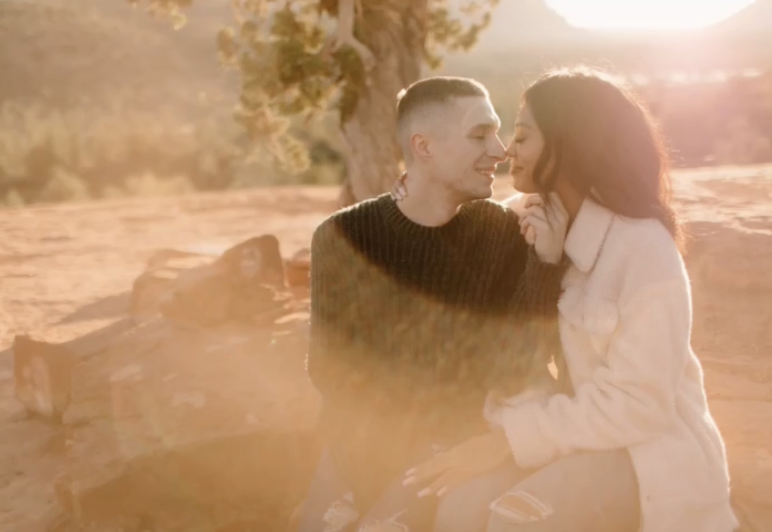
(483, 369)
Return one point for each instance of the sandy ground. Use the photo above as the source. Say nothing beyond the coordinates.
(56, 261)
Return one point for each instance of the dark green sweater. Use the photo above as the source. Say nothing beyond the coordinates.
(409, 321)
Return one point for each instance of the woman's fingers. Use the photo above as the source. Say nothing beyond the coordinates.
(537, 212)
(538, 224)
(429, 470)
(399, 190)
(539, 227)
(528, 231)
(553, 212)
(553, 217)
(440, 486)
(533, 199)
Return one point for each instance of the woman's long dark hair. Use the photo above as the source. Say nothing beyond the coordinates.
(604, 142)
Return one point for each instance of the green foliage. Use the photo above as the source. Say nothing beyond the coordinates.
(289, 63)
(62, 185)
(115, 149)
(67, 131)
(49, 155)
(446, 31)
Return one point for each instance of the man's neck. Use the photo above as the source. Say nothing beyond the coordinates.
(427, 204)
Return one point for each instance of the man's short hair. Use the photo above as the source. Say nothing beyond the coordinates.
(427, 92)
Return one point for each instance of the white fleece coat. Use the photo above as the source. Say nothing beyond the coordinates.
(625, 325)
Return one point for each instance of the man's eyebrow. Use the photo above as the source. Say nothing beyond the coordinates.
(491, 124)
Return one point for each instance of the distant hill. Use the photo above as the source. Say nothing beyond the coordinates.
(61, 51)
(754, 21)
(528, 23)
(526, 35)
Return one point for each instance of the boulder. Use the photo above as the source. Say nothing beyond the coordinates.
(195, 411)
(165, 272)
(43, 371)
(246, 283)
(42, 376)
(194, 428)
(298, 269)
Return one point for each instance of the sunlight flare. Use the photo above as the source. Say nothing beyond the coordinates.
(647, 14)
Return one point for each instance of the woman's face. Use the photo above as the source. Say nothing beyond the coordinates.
(525, 150)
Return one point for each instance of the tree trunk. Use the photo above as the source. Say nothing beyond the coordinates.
(395, 32)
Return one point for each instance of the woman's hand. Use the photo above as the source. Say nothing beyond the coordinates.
(464, 462)
(549, 223)
(399, 190)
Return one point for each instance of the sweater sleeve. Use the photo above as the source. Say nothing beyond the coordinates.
(531, 333)
(539, 287)
(332, 328)
(629, 400)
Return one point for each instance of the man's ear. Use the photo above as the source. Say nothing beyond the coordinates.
(419, 144)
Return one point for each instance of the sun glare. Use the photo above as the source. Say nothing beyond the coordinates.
(646, 14)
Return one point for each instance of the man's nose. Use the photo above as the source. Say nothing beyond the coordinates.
(510, 151)
(497, 151)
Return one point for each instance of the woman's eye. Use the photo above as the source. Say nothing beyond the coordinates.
(520, 140)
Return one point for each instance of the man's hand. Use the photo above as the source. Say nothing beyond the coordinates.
(464, 462)
(550, 224)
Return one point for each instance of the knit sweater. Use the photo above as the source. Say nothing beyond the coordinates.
(425, 320)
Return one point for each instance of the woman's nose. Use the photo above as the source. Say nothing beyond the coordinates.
(497, 150)
(510, 150)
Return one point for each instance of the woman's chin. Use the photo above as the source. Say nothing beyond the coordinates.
(523, 185)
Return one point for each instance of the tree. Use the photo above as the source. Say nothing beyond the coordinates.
(303, 57)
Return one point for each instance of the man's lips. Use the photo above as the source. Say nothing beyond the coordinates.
(487, 171)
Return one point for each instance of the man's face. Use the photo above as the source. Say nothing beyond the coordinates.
(465, 148)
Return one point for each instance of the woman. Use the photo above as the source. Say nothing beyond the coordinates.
(634, 447)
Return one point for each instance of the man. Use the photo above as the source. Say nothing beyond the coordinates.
(415, 309)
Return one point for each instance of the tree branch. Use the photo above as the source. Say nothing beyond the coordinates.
(347, 10)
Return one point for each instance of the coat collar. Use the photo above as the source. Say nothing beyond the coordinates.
(587, 234)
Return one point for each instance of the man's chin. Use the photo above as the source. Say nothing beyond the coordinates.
(485, 193)
(481, 192)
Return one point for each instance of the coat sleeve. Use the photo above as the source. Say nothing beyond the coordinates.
(630, 398)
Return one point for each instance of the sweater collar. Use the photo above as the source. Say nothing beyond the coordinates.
(587, 234)
(405, 225)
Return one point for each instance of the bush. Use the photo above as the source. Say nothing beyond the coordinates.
(94, 151)
(115, 149)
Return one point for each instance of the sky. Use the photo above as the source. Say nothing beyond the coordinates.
(646, 14)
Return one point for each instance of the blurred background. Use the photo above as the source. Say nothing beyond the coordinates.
(146, 382)
(109, 99)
